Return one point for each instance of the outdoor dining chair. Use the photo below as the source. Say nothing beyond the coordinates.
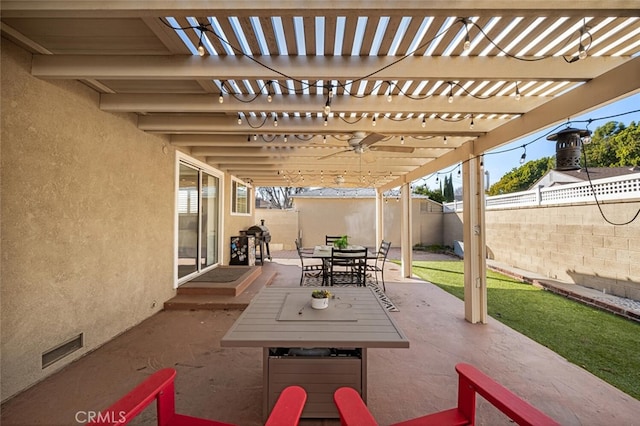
(379, 261)
(311, 267)
(348, 266)
(330, 239)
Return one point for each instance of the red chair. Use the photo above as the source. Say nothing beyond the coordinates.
(353, 411)
(160, 387)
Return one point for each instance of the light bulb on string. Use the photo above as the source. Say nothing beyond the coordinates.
(201, 50)
(467, 43)
(582, 52)
(450, 93)
(326, 121)
(374, 122)
(471, 124)
(424, 122)
(517, 93)
(327, 108)
(255, 136)
(286, 138)
(220, 99)
(324, 139)
(389, 98)
(239, 119)
(524, 155)
(269, 97)
(275, 121)
(248, 138)
(445, 140)
(401, 140)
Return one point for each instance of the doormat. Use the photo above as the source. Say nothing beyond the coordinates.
(223, 274)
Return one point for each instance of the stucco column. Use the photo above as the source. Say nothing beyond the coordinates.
(405, 231)
(475, 264)
(379, 217)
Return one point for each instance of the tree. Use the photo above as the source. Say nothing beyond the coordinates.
(448, 188)
(521, 178)
(278, 196)
(435, 195)
(613, 145)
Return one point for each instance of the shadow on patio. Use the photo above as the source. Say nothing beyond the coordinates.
(226, 383)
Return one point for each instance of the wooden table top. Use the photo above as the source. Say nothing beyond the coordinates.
(355, 319)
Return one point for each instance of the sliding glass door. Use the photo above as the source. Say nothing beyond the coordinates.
(198, 219)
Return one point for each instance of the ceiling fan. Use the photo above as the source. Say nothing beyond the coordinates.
(361, 142)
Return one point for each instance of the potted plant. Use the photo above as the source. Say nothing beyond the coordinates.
(320, 299)
(341, 242)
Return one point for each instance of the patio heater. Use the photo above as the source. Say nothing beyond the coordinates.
(568, 147)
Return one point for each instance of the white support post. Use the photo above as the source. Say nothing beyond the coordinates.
(405, 237)
(379, 217)
(475, 253)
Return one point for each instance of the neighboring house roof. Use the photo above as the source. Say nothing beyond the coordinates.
(557, 177)
(352, 193)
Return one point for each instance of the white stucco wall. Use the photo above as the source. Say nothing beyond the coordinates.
(87, 209)
(355, 217)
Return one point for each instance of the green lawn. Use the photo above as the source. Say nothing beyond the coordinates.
(604, 344)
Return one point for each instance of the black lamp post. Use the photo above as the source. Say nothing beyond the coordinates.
(568, 146)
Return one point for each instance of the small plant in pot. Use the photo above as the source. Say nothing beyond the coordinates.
(341, 242)
(320, 299)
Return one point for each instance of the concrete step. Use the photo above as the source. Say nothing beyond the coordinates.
(221, 302)
(229, 288)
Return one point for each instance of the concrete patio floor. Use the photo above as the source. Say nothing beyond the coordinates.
(226, 383)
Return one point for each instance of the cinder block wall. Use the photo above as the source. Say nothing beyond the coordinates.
(570, 243)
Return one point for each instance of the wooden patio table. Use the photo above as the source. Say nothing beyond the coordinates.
(320, 350)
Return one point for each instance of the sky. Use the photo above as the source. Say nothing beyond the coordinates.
(499, 163)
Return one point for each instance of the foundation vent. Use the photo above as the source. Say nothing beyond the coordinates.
(62, 350)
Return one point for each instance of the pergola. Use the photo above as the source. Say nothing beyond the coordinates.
(357, 93)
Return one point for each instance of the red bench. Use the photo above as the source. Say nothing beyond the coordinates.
(353, 411)
(160, 387)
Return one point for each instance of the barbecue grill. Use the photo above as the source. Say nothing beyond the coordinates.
(263, 238)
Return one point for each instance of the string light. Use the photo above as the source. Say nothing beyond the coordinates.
(269, 97)
(517, 92)
(401, 140)
(324, 138)
(275, 120)
(248, 138)
(239, 119)
(524, 154)
(286, 138)
(424, 121)
(471, 124)
(450, 92)
(221, 99)
(201, 50)
(374, 122)
(582, 52)
(255, 136)
(445, 140)
(467, 42)
(326, 121)
(389, 98)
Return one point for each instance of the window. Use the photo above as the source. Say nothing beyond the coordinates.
(240, 198)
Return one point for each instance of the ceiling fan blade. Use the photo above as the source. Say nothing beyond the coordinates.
(370, 139)
(391, 148)
(334, 153)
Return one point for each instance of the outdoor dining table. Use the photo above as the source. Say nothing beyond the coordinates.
(320, 350)
(324, 252)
